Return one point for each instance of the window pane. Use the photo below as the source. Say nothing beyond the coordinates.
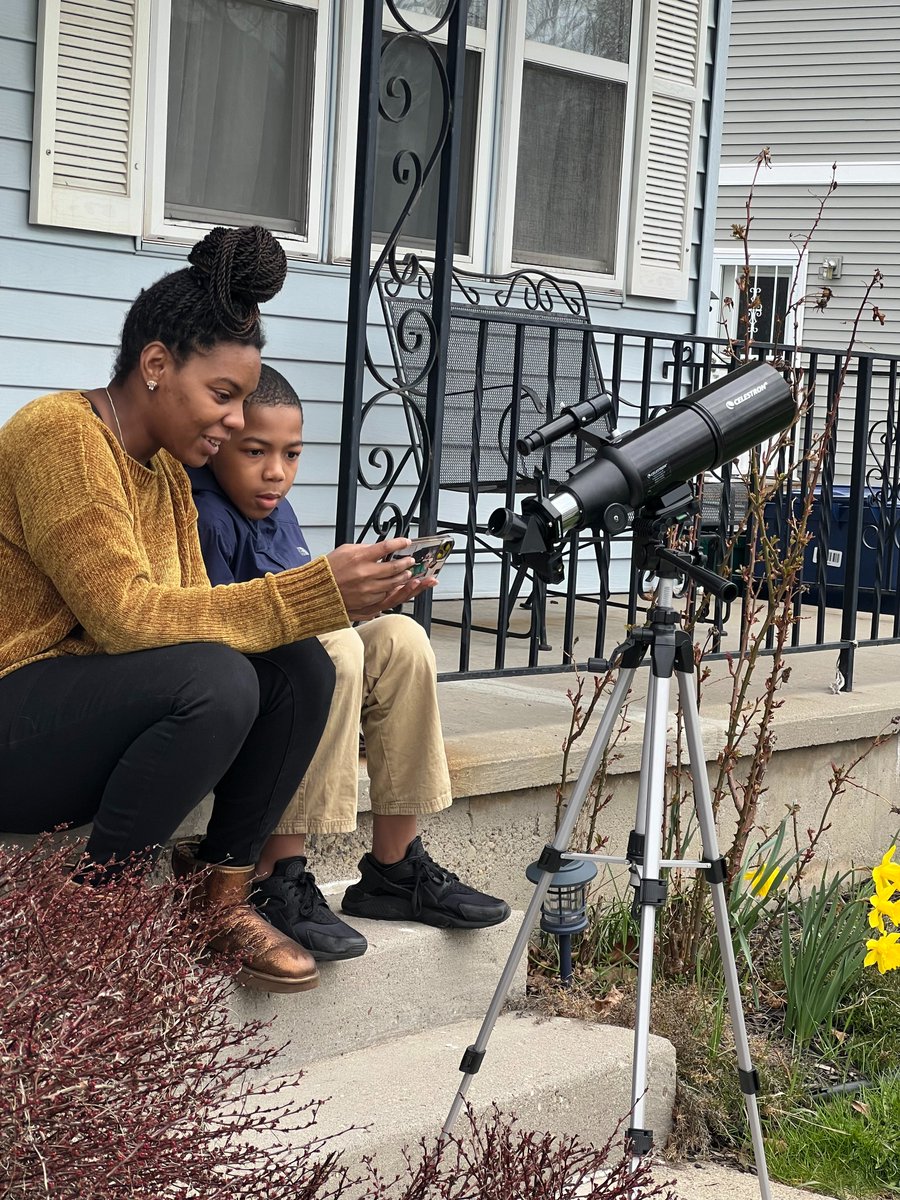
(598, 27)
(419, 131)
(569, 171)
(241, 76)
(477, 14)
(761, 309)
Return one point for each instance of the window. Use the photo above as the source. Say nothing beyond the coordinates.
(760, 308)
(578, 137)
(477, 15)
(407, 59)
(574, 83)
(600, 125)
(421, 128)
(774, 283)
(237, 102)
(162, 117)
(240, 107)
(419, 131)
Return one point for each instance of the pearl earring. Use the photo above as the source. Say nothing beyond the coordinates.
(152, 385)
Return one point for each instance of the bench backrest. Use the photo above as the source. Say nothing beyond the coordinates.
(560, 366)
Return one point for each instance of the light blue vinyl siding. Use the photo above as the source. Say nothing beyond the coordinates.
(64, 293)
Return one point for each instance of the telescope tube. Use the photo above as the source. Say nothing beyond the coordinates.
(697, 434)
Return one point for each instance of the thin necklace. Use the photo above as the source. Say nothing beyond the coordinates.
(116, 416)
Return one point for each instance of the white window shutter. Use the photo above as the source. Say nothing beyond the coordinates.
(90, 114)
(668, 134)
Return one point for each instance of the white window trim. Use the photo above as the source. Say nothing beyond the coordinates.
(812, 173)
(727, 257)
(157, 228)
(484, 41)
(516, 52)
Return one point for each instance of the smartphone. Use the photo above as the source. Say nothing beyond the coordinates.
(430, 554)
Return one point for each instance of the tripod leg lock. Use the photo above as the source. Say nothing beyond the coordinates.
(651, 891)
(471, 1060)
(716, 872)
(749, 1081)
(551, 859)
(639, 1141)
(635, 850)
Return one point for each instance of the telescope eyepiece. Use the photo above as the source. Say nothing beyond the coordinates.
(506, 525)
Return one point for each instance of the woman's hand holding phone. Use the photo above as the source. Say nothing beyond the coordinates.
(371, 579)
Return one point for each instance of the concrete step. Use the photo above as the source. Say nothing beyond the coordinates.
(412, 978)
(555, 1074)
(712, 1181)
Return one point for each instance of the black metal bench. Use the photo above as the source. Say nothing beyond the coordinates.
(492, 318)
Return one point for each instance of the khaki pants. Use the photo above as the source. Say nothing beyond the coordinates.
(386, 677)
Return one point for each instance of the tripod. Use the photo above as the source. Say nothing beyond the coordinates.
(671, 652)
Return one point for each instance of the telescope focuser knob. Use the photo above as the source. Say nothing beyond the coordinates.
(616, 518)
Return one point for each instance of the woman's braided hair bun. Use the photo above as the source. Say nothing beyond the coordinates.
(215, 299)
(240, 269)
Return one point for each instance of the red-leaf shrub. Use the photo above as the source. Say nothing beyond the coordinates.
(122, 1074)
(494, 1159)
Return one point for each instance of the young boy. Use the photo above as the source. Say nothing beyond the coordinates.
(385, 676)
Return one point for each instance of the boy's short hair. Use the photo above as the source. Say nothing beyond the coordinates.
(274, 389)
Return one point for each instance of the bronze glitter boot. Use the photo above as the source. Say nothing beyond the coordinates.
(272, 962)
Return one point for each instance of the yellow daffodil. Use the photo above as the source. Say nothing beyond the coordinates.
(760, 883)
(881, 908)
(887, 875)
(884, 952)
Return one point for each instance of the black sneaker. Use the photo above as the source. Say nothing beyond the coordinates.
(292, 902)
(417, 889)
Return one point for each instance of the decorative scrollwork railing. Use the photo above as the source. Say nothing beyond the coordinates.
(400, 472)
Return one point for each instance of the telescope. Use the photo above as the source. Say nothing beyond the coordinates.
(628, 473)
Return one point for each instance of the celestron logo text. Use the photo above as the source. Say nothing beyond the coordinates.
(747, 395)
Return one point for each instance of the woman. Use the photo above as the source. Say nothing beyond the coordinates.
(129, 688)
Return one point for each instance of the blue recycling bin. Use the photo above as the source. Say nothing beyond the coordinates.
(836, 550)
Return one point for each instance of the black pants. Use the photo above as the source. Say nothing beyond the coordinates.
(133, 742)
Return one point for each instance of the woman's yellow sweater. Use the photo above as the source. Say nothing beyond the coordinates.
(99, 554)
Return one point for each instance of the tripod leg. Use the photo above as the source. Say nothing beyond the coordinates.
(550, 862)
(649, 895)
(635, 851)
(747, 1075)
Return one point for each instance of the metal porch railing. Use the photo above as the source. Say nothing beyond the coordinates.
(851, 564)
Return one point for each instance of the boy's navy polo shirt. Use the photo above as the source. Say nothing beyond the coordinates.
(235, 548)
